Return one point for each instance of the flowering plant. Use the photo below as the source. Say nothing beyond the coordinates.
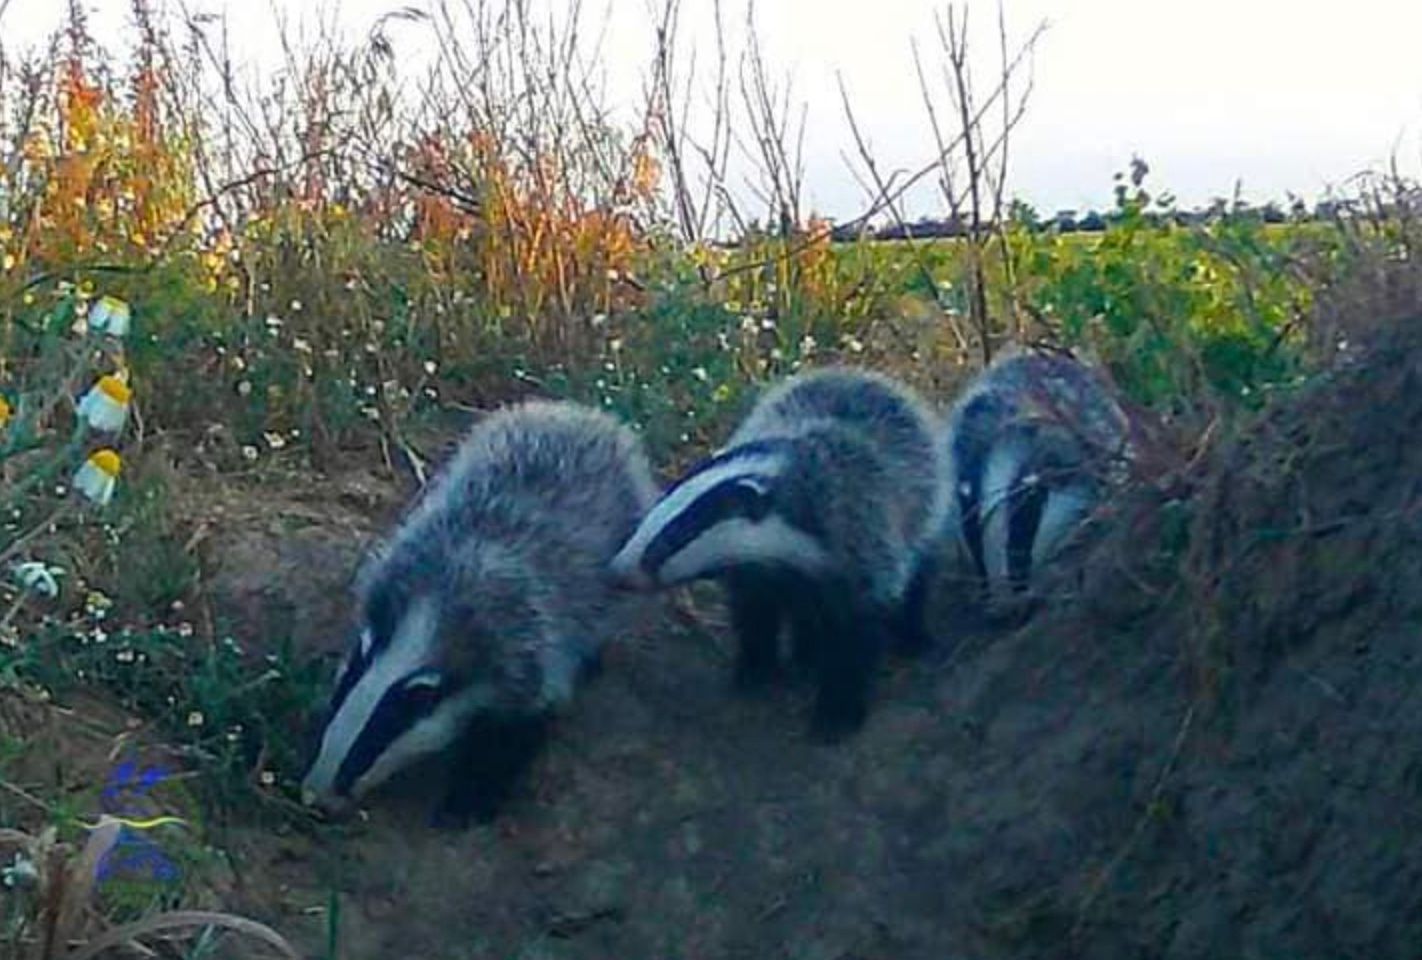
(63, 414)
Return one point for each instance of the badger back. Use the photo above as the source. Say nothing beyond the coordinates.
(489, 594)
(526, 470)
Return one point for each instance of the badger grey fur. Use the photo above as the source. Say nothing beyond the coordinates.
(479, 613)
(822, 509)
(1033, 444)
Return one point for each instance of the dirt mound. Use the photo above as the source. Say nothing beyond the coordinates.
(277, 563)
(1219, 762)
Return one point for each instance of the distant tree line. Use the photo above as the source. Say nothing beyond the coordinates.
(1094, 221)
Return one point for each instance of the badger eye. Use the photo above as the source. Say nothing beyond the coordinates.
(748, 497)
(424, 689)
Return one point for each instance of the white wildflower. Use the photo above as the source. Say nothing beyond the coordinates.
(105, 406)
(39, 577)
(98, 476)
(21, 873)
(110, 316)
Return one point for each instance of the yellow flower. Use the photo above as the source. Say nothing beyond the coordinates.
(98, 476)
(6, 411)
(105, 406)
(110, 315)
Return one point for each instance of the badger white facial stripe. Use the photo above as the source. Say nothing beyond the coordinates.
(1024, 505)
(740, 542)
(687, 493)
(739, 499)
(685, 498)
(430, 735)
(407, 651)
(1066, 508)
(999, 476)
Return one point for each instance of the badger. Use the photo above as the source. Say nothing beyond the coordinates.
(1033, 444)
(490, 601)
(821, 510)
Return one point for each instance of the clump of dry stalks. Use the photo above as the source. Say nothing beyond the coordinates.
(58, 881)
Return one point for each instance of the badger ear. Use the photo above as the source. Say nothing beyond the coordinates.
(756, 495)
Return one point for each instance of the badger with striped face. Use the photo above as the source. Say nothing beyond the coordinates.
(1034, 443)
(478, 616)
(822, 511)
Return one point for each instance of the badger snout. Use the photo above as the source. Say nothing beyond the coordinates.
(331, 804)
(320, 793)
(626, 573)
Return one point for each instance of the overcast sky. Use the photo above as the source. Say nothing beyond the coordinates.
(1287, 96)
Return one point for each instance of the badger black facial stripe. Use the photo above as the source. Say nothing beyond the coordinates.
(354, 664)
(432, 730)
(970, 513)
(380, 625)
(972, 446)
(749, 452)
(680, 515)
(390, 719)
(370, 686)
(729, 498)
(382, 620)
(350, 671)
(1024, 506)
